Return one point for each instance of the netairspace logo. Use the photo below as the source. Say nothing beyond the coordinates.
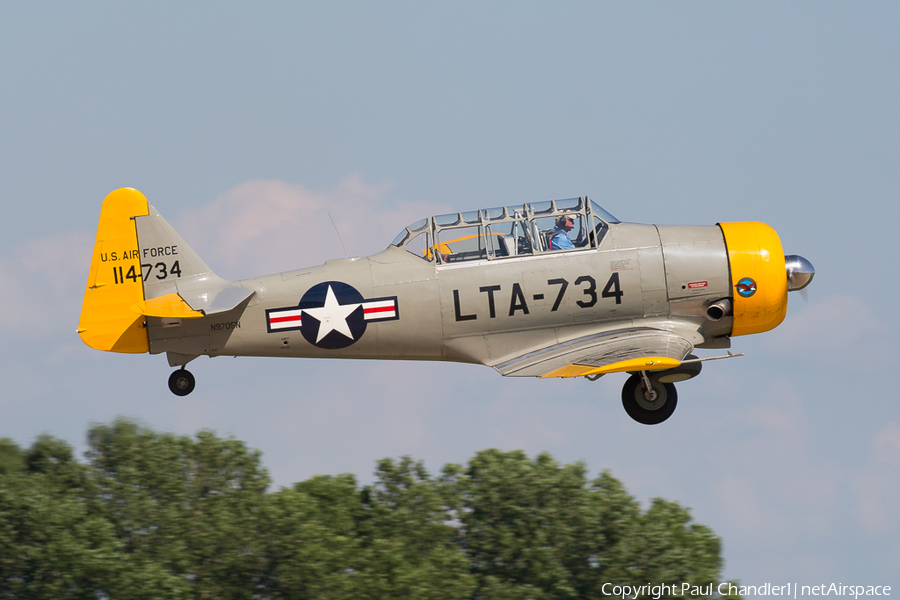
(789, 590)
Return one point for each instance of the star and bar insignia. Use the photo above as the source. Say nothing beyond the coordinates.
(332, 315)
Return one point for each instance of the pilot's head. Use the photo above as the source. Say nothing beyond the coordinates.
(565, 222)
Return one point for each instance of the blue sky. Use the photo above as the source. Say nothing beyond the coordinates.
(246, 126)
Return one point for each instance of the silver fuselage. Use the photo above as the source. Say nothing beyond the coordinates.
(484, 311)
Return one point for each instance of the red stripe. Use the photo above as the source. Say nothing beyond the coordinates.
(283, 319)
(378, 309)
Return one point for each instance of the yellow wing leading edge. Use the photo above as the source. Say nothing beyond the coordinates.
(649, 363)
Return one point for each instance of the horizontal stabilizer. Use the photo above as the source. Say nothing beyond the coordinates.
(170, 306)
(215, 300)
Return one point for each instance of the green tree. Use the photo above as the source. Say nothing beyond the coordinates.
(311, 540)
(159, 515)
(520, 523)
(665, 546)
(186, 511)
(409, 547)
(535, 529)
(51, 545)
(11, 457)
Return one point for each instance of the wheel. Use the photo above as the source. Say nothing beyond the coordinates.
(181, 382)
(649, 411)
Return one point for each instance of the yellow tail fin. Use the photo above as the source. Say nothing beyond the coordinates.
(114, 286)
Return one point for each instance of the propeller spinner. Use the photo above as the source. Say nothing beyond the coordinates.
(800, 272)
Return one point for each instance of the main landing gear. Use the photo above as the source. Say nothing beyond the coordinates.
(649, 397)
(648, 400)
(181, 382)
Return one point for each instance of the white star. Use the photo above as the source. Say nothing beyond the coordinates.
(332, 316)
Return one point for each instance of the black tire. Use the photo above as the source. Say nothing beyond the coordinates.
(181, 382)
(644, 411)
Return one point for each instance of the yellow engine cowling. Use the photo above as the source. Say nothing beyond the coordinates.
(758, 276)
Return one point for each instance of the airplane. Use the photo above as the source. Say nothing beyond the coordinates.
(553, 289)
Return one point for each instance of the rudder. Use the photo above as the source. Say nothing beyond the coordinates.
(114, 282)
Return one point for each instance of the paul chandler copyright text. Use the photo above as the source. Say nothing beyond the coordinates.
(790, 590)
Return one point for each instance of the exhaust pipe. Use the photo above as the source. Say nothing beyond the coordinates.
(719, 309)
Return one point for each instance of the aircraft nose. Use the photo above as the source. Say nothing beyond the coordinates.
(800, 272)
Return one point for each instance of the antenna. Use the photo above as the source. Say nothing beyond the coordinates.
(338, 234)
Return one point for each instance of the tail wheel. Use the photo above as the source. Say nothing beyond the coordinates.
(649, 408)
(181, 382)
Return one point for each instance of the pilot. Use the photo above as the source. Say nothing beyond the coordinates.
(559, 238)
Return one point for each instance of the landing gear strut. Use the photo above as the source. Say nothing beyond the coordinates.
(648, 400)
(181, 382)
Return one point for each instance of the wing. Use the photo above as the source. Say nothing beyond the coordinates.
(628, 349)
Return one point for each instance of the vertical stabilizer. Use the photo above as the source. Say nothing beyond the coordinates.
(177, 282)
(166, 257)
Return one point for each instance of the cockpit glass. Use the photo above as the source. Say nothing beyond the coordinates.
(413, 229)
(515, 212)
(460, 244)
(446, 220)
(401, 237)
(420, 246)
(542, 207)
(600, 212)
(569, 204)
(471, 217)
(420, 224)
(511, 230)
(494, 213)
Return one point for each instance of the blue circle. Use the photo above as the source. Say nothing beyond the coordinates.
(746, 287)
(315, 298)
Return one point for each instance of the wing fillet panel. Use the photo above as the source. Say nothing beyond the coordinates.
(631, 349)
